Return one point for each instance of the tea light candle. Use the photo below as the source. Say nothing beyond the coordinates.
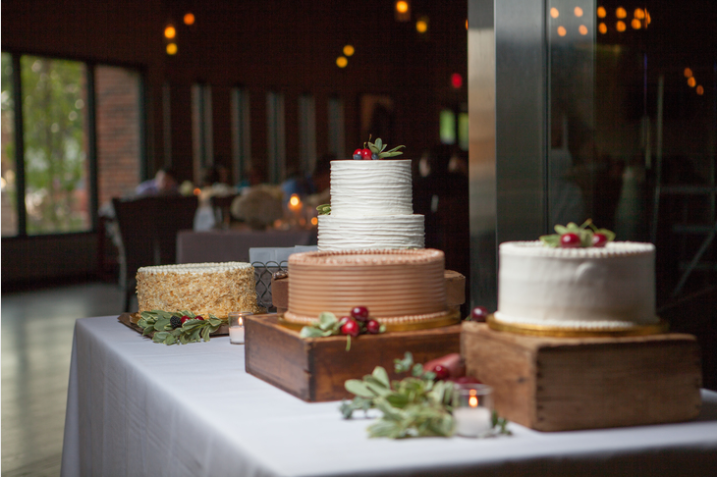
(236, 327)
(472, 422)
(473, 409)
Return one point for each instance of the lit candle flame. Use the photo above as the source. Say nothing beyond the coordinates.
(473, 399)
(240, 321)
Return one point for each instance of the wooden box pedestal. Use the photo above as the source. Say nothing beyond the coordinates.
(558, 384)
(315, 369)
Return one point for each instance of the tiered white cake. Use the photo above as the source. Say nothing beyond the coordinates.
(585, 288)
(371, 207)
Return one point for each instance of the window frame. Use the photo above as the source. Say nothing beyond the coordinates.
(91, 131)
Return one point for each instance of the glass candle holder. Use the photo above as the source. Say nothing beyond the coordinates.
(236, 326)
(473, 410)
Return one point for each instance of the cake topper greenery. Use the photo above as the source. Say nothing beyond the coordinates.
(375, 151)
(357, 323)
(179, 327)
(574, 236)
(419, 405)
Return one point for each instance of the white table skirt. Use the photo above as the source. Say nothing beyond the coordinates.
(137, 408)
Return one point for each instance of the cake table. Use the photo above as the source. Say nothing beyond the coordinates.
(139, 408)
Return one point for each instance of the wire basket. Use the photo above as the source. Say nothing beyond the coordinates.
(262, 276)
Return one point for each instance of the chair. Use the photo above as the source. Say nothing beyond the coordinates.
(148, 229)
(139, 246)
(173, 213)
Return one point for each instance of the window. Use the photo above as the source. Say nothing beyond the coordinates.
(336, 127)
(62, 152)
(202, 134)
(448, 126)
(241, 133)
(307, 132)
(276, 136)
(7, 182)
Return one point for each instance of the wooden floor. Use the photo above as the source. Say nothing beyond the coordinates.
(37, 328)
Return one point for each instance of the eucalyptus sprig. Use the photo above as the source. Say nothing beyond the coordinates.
(324, 209)
(193, 330)
(329, 325)
(416, 406)
(377, 147)
(585, 232)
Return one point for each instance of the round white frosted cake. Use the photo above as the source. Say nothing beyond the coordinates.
(583, 288)
(371, 207)
(202, 288)
(397, 286)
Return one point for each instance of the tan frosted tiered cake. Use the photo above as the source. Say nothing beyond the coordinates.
(202, 288)
(403, 289)
(607, 288)
(371, 207)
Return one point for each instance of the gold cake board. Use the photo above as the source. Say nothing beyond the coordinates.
(565, 332)
(451, 318)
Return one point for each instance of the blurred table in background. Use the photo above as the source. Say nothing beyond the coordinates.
(233, 245)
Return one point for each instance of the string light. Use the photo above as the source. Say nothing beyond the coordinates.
(602, 28)
(688, 72)
(171, 48)
(636, 24)
(402, 7)
(402, 11)
(583, 30)
(561, 31)
(421, 26)
(349, 50)
(691, 81)
(170, 32)
(554, 12)
(620, 12)
(601, 12)
(700, 90)
(578, 12)
(620, 25)
(341, 62)
(639, 13)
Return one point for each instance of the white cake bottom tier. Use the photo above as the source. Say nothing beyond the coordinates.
(594, 287)
(371, 233)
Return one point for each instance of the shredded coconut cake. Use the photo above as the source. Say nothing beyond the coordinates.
(202, 288)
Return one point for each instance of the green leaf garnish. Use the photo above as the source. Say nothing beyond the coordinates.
(416, 406)
(324, 209)
(585, 232)
(157, 322)
(378, 147)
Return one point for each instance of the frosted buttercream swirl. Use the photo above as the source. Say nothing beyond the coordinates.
(383, 232)
(371, 188)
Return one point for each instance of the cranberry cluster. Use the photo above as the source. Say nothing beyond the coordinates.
(359, 323)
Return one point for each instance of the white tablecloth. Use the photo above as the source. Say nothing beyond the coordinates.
(137, 408)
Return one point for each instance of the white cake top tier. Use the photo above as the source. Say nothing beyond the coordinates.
(371, 188)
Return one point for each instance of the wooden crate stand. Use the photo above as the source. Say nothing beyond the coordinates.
(557, 384)
(315, 369)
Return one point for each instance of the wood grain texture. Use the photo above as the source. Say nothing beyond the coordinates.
(316, 369)
(555, 384)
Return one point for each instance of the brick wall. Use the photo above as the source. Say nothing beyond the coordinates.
(118, 129)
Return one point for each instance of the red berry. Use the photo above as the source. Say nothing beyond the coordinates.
(441, 372)
(185, 318)
(479, 313)
(366, 154)
(373, 327)
(570, 240)
(357, 151)
(199, 318)
(351, 328)
(599, 240)
(359, 313)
